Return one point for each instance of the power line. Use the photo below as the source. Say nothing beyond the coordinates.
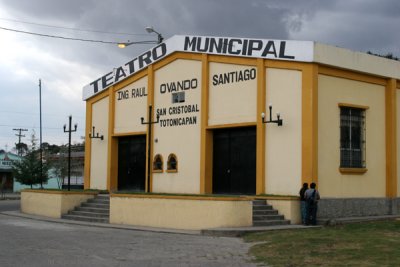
(33, 127)
(35, 113)
(74, 39)
(70, 28)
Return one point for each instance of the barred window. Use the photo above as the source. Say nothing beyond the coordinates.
(352, 137)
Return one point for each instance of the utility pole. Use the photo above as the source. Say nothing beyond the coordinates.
(69, 131)
(20, 130)
(41, 151)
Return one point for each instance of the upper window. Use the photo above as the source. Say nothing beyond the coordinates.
(352, 137)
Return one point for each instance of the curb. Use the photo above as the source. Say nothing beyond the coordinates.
(102, 225)
(10, 198)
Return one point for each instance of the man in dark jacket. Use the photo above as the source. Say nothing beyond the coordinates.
(312, 196)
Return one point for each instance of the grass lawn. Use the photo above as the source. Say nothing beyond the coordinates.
(363, 244)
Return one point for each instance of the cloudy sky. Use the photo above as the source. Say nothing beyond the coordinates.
(65, 66)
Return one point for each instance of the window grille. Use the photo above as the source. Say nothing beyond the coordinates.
(352, 137)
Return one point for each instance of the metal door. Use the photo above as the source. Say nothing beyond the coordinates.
(234, 161)
(132, 163)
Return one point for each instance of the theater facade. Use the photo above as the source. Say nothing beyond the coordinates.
(238, 117)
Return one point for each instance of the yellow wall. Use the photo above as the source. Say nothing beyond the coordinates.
(99, 153)
(179, 213)
(332, 183)
(130, 106)
(398, 141)
(51, 204)
(288, 208)
(234, 102)
(283, 143)
(182, 140)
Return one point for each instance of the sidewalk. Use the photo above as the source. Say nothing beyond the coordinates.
(218, 232)
(10, 196)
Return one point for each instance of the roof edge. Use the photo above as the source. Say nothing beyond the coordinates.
(356, 61)
(239, 47)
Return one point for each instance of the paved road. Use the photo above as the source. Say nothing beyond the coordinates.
(27, 242)
(9, 205)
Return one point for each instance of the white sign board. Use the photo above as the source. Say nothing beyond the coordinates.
(241, 47)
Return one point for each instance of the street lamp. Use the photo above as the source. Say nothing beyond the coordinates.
(159, 36)
(149, 30)
(69, 131)
(123, 45)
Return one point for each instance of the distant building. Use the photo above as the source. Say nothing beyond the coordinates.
(6, 175)
(77, 166)
(10, 185)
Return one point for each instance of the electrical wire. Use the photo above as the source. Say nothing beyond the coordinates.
(36, 113)
(74, 29)
(75, 39)
(34, 127)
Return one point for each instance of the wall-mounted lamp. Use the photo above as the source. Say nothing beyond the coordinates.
(279, 121)
(95, 135)
(149, 122)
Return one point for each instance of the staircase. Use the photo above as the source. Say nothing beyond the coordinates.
(94, 210)
(265, 215)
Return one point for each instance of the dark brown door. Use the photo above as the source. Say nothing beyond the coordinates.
(234, 161)
(132, 163)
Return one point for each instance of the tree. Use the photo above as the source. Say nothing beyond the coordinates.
(28, 170)
(59, 165)
(22, 148)
(388, 55)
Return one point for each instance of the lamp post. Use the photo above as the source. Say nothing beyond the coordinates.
(149, 30)
(69, 131)
(149, 122)
(159, 36)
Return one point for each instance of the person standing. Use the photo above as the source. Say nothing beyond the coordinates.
(303, 203)
(311, 196)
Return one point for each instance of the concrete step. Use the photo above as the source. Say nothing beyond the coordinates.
(271, 223)
(99, 201)
(262, 207)
(95, 210)
(89, 214)
(259, 202)
(267, 217)
(265, 212)
(107, 196)
(95, 205)
(84, 218)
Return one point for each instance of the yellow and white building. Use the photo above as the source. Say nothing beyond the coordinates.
(188, 117)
